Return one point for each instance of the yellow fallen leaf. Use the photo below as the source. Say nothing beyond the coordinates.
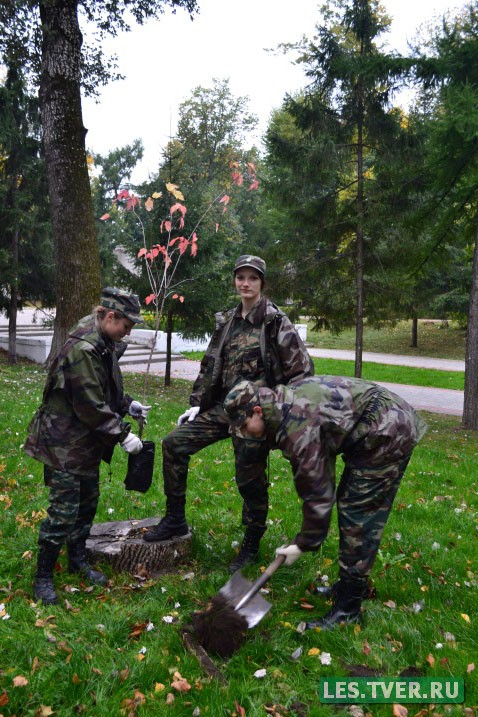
(140, 657)
(465, 617)
(43, 711)
(314, 651)
(159, 687)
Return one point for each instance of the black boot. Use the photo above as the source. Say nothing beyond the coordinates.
(43, 588)
(326, 591)
(173, 525)
(78, 563)
(249, 549)
(348, 597)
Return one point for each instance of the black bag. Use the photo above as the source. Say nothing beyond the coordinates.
(140, 467)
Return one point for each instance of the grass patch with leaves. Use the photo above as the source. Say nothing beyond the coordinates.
(109, 651)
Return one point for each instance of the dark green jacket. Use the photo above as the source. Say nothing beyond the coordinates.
(80, 419)
(284, 355)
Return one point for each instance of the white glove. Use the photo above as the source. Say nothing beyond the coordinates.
(189, 416)
(292, 553)
(132, 444)
(137, 410)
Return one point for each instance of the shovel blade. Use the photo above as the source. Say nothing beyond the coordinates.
(254, 609)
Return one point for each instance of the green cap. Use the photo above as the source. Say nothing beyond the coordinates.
(254, 262)
(118, 300)
(240, 401)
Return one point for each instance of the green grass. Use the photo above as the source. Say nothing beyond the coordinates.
(80, 657)
(435, 339)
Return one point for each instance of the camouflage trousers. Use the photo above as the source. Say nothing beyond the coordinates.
(250, 463)
(72, 508)
(364, 500)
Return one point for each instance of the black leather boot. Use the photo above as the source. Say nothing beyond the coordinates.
(78, 563)
(348, 597)
(173, 525)
(43, 588)
(326, 591)
(249, 549)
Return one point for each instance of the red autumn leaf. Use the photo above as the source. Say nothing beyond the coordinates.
(180, 683)
(149, 299)
(241, 712)
(194, 247)
(124, 194)
(104, 217)
(178, 208)
(225, 199)
(217, 227)
(3, 699)
(175, 296)
(181, 299)
(399, 711)
(142, 252)
(167, 225)
(237, 178)
(253, 185)
(251, 167)
(366, 649)
(132, 202)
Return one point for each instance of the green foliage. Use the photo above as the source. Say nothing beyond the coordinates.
(86, 655)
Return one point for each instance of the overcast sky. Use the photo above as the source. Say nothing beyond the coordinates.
(163, 61)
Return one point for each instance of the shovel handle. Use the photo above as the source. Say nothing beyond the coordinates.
(261, 581)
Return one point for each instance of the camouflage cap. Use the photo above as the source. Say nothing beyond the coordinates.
(118, 300)
(240, 401)
(254, 262)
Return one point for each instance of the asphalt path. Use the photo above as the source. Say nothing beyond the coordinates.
(434, 400)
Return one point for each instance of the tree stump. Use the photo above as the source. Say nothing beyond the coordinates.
(121, 544)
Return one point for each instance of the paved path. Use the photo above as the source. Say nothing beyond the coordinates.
(435, 400)
(393, 359)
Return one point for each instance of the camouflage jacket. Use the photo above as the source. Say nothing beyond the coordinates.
(283, 356)
(80, 419)
(317, 419)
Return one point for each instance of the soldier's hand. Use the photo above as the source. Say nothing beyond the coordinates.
(189, 415)
(132, 444)
(137, 410)
(291, 553)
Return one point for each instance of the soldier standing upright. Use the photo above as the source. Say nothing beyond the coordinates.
(312, 422)
(77, 425)
(254, 341)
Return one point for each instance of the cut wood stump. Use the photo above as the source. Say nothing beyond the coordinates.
(121, 544)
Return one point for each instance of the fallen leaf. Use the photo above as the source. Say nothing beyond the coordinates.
(470, 667)
(366, 648)
(3, 699)
(159, 687)
(258, 674)
(391, 604)
(399, 711)
(314, 651)
(44, 711)
(241, 712)
(465, 617)
(180, 683)
(431, 660)
(35, 664)
(123, 675)
(20, 681)
(75, 679)
(170, 698)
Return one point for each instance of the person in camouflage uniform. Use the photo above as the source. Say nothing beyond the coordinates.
(254, 341)
(312, 422)
(77, 425)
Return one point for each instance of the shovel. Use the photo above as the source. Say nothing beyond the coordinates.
(242, 595)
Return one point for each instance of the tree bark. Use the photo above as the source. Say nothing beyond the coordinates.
(414, 342)
(77, 259)
(470, 406)
(169, 337)
(359, 245)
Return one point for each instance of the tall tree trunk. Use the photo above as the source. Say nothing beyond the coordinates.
(77, 258)
(414, 342)
(359, 246)
(169, 336)
(12, 319)
(470, 407)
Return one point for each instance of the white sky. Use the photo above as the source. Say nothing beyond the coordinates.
(163, 61)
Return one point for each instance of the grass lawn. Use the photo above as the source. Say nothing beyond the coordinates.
(434, 339)
(110, 651)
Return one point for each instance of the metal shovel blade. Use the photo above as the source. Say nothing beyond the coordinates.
(254, 609)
